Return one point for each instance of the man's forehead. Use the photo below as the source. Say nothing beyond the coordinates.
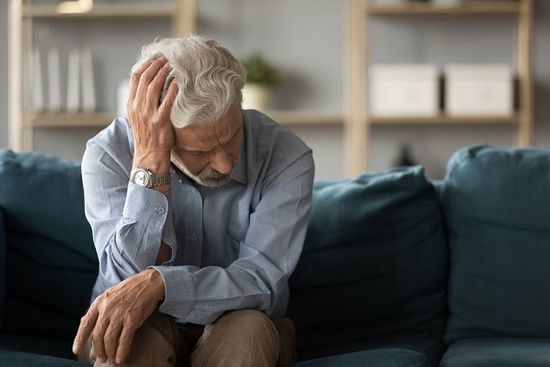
(206, 136)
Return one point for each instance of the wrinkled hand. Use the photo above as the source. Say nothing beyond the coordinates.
(149, 117)
(115, 316)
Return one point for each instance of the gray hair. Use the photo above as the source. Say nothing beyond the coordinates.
(209, 77)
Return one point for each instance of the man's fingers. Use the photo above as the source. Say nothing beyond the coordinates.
(98, 339)
(155, 88)
(146, 77)
(93, 356)
(87, 323)
(111, 338)
(166, 105)
(134, 80)
(124, 344)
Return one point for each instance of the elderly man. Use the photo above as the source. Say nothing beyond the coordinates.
(199, 212)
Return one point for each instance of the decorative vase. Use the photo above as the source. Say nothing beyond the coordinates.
(255, 96)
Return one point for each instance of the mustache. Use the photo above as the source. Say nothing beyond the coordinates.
(212, 178)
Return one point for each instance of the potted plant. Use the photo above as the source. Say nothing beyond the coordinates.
(261, 78)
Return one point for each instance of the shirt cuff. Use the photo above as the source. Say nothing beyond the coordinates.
(150, 210)
(179, 290)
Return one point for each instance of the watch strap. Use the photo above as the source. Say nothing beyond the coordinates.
(160, 179)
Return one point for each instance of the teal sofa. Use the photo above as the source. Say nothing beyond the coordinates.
(396, 270)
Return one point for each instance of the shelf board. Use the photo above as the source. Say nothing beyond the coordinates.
(473, 8)
(444, 120)
(297, 117)
(104, 11)
(101, 119)
(66, 119)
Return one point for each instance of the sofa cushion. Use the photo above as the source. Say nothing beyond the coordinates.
(371, 358)
(2, 267)
(501, 352)
(374, 261)
(10, 358)
(51, 260)
(432, 349)
(36, 345)
(497, 211)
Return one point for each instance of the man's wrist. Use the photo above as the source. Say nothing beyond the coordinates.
(158, 163)
(157, 284)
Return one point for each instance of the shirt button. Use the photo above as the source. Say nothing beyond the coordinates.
(160, 210)
(194, 237)
(181, 181)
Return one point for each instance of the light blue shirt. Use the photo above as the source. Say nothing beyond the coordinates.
(233, 247)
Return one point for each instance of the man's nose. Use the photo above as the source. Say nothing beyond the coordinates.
(222, 162)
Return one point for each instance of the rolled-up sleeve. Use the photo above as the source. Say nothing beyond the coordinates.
(258, 278)
(128, 221)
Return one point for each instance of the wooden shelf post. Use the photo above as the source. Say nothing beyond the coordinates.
(355, 125)
(185, 21)
(15, 94)
(525, 73)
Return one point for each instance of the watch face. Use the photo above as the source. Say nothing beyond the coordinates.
(141, 177)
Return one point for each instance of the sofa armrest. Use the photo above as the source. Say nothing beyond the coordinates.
(2, 267)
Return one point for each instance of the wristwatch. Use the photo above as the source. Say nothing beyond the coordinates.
(144, 177)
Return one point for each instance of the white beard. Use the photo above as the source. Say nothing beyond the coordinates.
(208, 177)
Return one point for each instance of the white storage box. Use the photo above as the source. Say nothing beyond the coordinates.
(479, 90)
(404, 90)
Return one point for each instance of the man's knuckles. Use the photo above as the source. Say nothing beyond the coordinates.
(85, 321)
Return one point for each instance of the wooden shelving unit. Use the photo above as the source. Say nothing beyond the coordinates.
(358, 120)
(444, 120)
(473, 8)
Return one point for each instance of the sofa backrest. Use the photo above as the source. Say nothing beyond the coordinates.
(375, 261)
(2, 266)
(51, 263)
(496, 204)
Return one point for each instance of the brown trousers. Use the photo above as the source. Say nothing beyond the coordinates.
(237, 339)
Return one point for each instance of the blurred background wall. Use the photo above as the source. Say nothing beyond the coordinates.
(305, 40)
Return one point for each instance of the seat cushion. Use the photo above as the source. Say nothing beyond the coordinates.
(36, 345)
(371, 358)
(2, 267)
(496, 206)
(501, 352)
(10, 358)
(51, 264)
(431, 349)
(374, 261)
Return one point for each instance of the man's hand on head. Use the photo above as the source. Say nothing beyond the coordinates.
(115, 316)
(149, 117)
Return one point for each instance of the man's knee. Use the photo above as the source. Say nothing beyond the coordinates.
(251, 324)
(238, 338)
(252, 318)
